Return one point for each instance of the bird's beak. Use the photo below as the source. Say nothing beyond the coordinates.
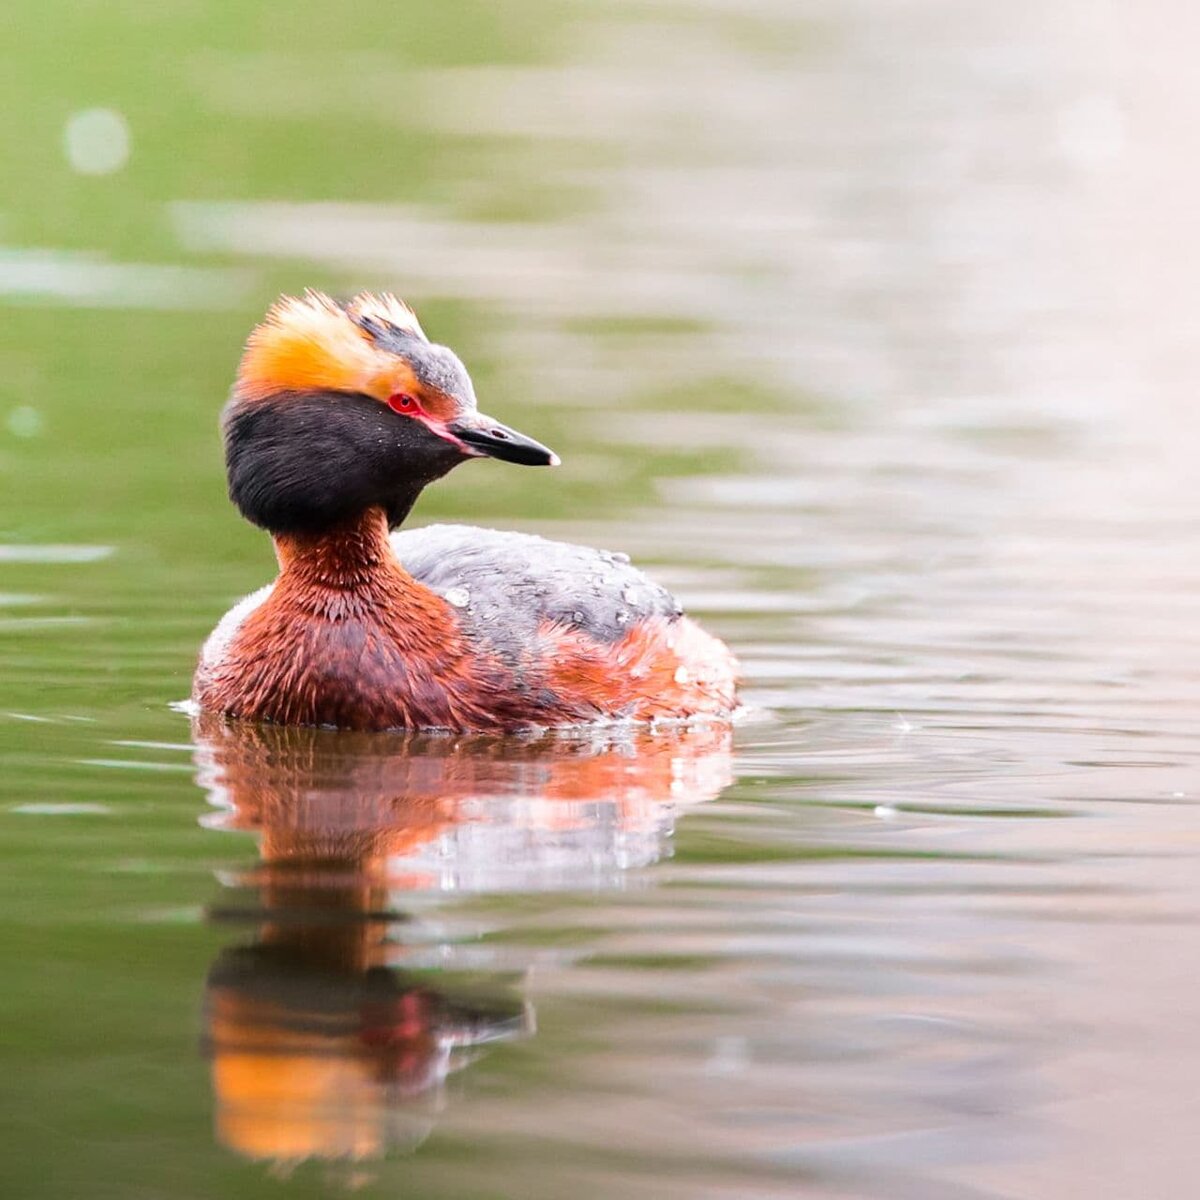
(481, 435)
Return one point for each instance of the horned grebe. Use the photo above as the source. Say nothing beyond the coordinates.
(340, 415)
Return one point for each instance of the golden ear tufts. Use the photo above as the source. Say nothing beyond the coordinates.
(313, 342)
(386, 309)
(315, 311)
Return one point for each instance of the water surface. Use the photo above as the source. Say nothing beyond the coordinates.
(866, 328)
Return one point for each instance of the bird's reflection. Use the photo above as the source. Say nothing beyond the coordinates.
(332, 1030)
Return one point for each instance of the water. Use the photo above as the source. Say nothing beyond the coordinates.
(866, 328)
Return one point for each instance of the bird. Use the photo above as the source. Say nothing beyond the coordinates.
(341, 413)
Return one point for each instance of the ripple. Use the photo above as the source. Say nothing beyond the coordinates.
(131, 764)
(88, 280)
(61, 809)
(34, 553)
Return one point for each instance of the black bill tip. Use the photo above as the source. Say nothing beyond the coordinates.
(494, 440)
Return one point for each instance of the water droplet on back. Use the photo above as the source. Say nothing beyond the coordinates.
(460, 597)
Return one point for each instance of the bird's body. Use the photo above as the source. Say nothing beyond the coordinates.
(461, 628)
(444, 627)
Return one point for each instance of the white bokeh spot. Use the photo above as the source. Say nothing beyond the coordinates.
(24, 422)
(97, 141)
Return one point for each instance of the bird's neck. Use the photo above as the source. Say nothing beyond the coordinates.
(354, 556)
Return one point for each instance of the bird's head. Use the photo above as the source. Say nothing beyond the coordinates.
(340, 407)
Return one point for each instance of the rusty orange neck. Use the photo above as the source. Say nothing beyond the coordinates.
(347, 557)
(351, 572)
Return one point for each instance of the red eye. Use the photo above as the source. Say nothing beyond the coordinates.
(402, 403)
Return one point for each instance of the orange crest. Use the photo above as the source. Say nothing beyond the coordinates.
(313, 343)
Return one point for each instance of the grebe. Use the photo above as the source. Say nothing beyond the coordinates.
(340, 415)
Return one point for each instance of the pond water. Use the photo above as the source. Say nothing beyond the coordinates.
(869, 329)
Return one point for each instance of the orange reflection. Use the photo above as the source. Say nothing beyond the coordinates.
(328, 1037)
